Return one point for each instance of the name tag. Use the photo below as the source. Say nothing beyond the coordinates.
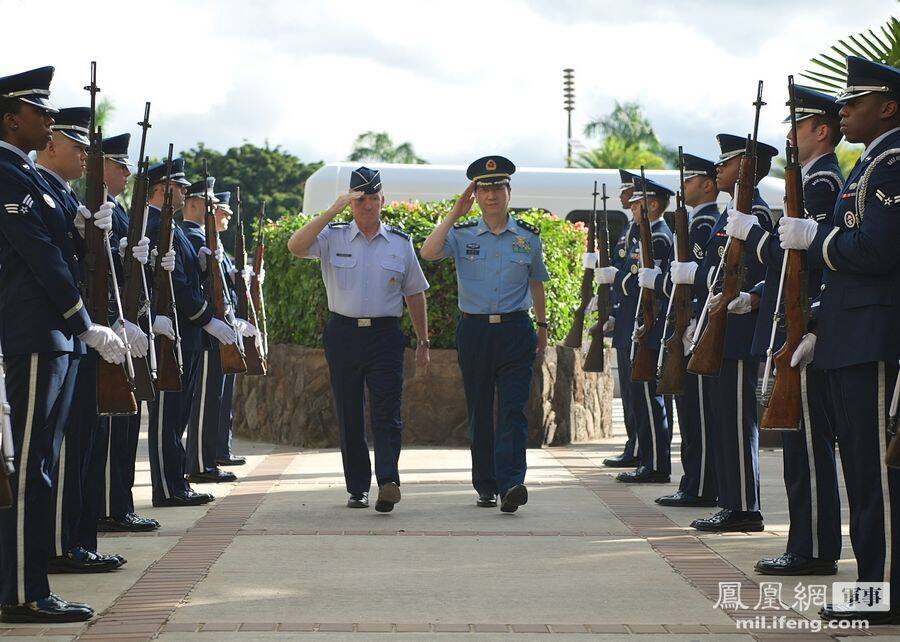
(339, 254)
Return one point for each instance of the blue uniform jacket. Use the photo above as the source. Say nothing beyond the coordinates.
(699, 227)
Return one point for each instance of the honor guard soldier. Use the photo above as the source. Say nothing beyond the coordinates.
(854, 339)
(369, 268)
(629, 456)
(117, 441)
(648, 408)
(698, 483)
(43, 326)
(203, 429)
(170, 412)
(500, 274)
(74, 528)
(732, 394)
(810, 471)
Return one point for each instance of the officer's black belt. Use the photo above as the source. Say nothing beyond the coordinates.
(497, 318)
(367, 322)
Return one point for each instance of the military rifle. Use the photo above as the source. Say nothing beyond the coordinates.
(783, 403)
(892, 456)
(643, 365)
(135, 296)
(7, 447)
(115, 387)
(169, 360)
(256, 292)
(595, 357)
(672, 363)
(576, 333)
(708, 345)
(231, 354)
(256, 364)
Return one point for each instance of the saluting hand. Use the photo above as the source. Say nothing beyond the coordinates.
(342, 201)
(464, 203)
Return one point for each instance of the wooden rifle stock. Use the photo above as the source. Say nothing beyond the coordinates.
(7, 452)
(643, 365)
(115, 391)
(232, 357)
(595, 359)
(892, 456)
(576, 333)
(169, 366)
(256, 293)
(253, 351)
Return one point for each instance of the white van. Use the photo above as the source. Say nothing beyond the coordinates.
(564, 192)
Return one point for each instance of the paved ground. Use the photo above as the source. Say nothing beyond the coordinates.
(277, 556)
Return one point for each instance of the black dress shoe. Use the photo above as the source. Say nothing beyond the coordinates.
(487, 500)
(621, 461)
(214, 476)
(232, 460)
(513, 498)
(643, 475)
(874, 618)
(190, 498)
(727, 520)
(682, 499)
(80, 560)
(129, 523)
(358, 500)
(388, 495)
(48, 610)
(793, 564)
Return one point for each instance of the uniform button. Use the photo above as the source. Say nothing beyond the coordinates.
(495, 289)
(69, 234)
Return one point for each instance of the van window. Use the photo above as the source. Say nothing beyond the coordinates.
(616, 221)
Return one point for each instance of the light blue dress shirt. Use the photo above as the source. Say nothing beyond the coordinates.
(367, 279)
(493, 270)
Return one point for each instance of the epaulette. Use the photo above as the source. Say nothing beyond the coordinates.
(470, 223)
(534, 229)
(397, 231)
(340, 224)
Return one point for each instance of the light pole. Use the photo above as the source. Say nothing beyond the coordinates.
(569, 105)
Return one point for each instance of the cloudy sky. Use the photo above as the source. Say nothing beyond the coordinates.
(457, 79)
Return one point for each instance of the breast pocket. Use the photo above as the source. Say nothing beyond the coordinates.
(516, 269)
(344, 269)
(392, 274)
(471, 267)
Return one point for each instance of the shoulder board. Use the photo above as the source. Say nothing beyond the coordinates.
(472, 222)
(826, 176)
(397, 231)
(528, 226)
(341, 224)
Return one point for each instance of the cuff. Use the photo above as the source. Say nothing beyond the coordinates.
(77, 318)
(818, 252)
(202, 316)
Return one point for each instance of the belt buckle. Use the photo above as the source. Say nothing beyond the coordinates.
(493, 318)
(363, 323)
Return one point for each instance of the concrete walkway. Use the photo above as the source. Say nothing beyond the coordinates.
(278, 556)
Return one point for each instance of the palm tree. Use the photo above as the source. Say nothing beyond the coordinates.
(829, 71)
(627, 123)
(378, 146)
(616, 153)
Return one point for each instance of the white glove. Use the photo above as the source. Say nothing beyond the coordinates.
(246, 328)
(803, 355)
(610, 325)
(638, 331)
(797, 233)
(167, 262)
(162, 325)
(141, 251)
(205, 252)
(221, 331)
(604, 276)
(102, 217)
(682, 273)
(136, 339)
(688, 337)
(647, 277)
(740, 304)
(262, 276)
(105, 341)
(739, 224)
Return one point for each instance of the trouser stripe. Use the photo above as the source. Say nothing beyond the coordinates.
(202, 413)
(60, 492)
(652, 423)
(882, 411)
(159, 444)
(702, 437)
(740, 427)
(811, 460)
(23, 476)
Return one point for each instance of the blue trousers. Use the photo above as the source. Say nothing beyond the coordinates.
(360, 359)
(223, 443)
(652, 426)
(810, 475)
(860, 398)
(203, 430)
(496, 357)
(731, 399)
(39, 387)
(699, 478)
(623, 361)
(118, 442)
(169, 416)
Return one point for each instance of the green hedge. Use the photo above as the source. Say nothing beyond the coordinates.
(295, 296)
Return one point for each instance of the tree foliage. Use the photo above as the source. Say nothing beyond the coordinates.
(378, 147)
(615, 153)
(632, 135)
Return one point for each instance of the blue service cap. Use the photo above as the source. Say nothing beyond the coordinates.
(201, 188)
(867, 77)
(32, 87)
(626, 180)
(696, 166)
(74, 123)
(115, 148)
(809, 102)
(156, 173)
(491, 170)
(650, 189)
(731, 145)
(223, 201)
(365, 180)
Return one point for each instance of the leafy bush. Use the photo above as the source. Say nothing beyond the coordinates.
(297, 307)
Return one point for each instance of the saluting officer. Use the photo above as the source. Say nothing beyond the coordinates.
(731, 396)
(369, 268)
(117, 440)
(810, 471)
(42, 324)
(629, 456)
(500, 274)
(855, 339)
(648, 408)
(698, 483)
(170, 412)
